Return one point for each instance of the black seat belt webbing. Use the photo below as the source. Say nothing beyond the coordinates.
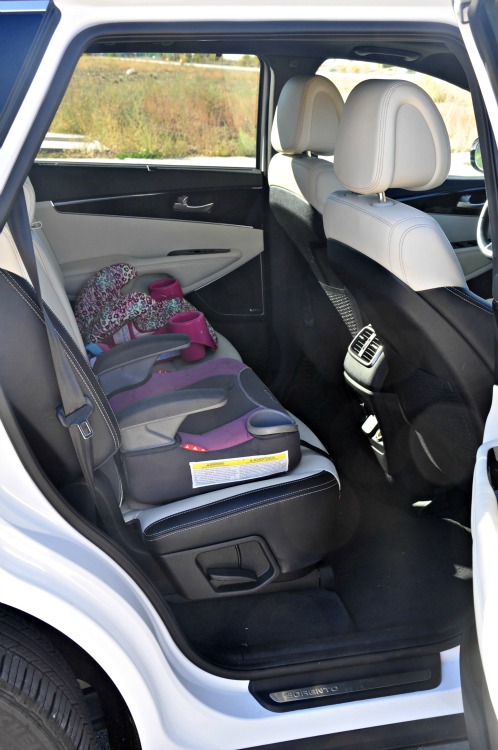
(76, 407)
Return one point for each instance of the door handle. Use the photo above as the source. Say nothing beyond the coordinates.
(182, 204)
(465, 202)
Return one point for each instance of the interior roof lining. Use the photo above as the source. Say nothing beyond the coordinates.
(435, 59)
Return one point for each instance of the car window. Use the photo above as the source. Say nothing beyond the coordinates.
(199, 109)
(454, 103)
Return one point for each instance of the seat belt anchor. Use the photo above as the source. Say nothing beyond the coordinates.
(79, 418)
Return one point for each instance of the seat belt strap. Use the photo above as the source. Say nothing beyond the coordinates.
(76, 407)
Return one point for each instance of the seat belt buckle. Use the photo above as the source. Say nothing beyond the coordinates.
(78, 418)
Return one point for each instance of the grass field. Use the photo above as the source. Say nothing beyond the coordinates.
(454, 104)
(160, 110)
(155, 109)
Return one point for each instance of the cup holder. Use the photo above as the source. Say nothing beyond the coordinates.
(270, 422)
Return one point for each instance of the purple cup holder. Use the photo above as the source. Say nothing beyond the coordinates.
(165, 289)
(194, 325)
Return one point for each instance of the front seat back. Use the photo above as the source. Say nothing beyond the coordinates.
(405, 276)
(304, 130)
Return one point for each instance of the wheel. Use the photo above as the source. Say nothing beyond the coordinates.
(41, 704)
(485, 245)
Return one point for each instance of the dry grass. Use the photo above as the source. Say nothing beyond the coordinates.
(456, 110)
(454, 103)
(160, 110)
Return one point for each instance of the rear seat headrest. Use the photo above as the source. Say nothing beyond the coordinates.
(391, 135)
(307, 116)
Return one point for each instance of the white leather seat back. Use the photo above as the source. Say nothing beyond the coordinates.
(306, 120)
(392, 135)
(51, 279)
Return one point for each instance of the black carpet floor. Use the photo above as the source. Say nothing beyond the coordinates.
(394, 569)
(398, 581)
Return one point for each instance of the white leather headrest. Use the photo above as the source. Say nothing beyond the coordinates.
(307, 116)
(30, 198)
(391, 135)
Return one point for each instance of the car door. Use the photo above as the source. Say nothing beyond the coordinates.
(479, 26)
(152, 160)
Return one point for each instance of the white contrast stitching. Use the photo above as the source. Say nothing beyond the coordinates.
(289, 496)
(465, 299)
(235, 497)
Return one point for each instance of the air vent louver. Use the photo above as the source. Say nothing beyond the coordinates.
(366, 346)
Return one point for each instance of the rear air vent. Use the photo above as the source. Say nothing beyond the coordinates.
(366, 346)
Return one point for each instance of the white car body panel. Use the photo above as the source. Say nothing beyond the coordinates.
(50, 571)
(485, 554)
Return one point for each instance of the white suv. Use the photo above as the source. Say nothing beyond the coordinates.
(322, 574)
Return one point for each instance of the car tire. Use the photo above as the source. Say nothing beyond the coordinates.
(41, 704)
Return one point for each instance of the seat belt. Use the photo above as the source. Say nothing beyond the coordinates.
(76, 407)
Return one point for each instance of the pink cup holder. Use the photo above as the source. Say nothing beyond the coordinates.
(194, 325)
(165, 289)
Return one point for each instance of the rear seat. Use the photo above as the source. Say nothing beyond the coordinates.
(219, 536)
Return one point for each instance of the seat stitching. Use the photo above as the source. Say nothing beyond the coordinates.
(23, 295)
(371, 214)
(420, 225)
(470, 302)
(381, 141)
(244, 391)
(242, 512)
(332, 481)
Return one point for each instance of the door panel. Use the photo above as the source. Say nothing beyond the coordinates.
(196, 253)
(195, 224)
(98, 214)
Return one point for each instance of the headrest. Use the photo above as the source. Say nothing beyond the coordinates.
(30, 198)
(391, 135)
(307, 116)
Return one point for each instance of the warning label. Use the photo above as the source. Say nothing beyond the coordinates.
(205, 473)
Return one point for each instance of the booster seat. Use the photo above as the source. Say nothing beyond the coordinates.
(233, 539)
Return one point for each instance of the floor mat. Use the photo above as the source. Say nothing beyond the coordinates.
(399, 582)
(246, 629)
(393, 568)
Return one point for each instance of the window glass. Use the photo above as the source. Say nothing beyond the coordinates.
(171, 107)
(18, 32)
(454, 104)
